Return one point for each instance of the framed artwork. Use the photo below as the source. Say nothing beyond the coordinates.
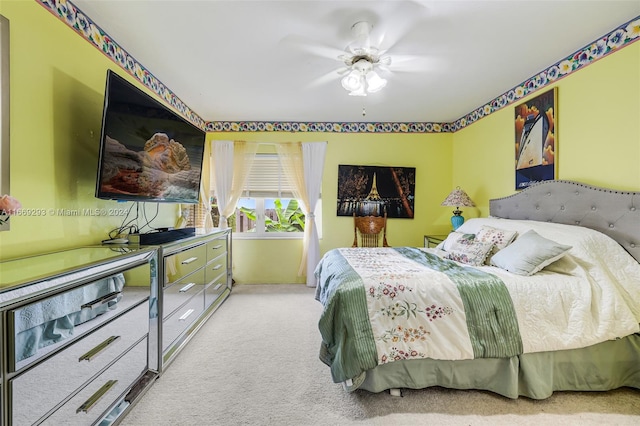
(4, 113)
(374, 190)
(535, 141)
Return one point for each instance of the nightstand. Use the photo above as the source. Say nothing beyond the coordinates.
(431, 241)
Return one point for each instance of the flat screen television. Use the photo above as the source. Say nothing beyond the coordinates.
(147, 152)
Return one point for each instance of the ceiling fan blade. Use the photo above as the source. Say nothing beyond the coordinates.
(329, 77)
(388, 34)
(387, 39)
(385, 60)
(413, 63)
(343, 70)
(313, 47)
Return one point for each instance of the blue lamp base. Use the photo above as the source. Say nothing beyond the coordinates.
(457, 219)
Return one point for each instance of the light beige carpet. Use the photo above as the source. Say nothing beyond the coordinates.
(255, 362)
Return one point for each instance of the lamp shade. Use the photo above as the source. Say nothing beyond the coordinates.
(457, 198)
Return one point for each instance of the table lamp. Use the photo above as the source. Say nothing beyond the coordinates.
(457, 198)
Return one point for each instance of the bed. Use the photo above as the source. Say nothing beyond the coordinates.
(541, 296)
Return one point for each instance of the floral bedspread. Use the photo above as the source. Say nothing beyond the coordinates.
(421, 307)
(426, 307)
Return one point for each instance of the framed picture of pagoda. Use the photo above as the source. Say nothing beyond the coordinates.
(374, 190)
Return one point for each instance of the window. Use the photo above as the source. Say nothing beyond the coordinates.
(267, 208)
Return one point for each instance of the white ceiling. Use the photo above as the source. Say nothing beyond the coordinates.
(259, 61)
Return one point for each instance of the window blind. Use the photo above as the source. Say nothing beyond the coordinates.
(267, 178)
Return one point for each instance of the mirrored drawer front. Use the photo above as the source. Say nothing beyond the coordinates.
(214, 290)
(41, 327)
(216, 248)
(91, 403)
(216, 267)
(181, 319)
(180, 264)
(63, 373)
(180, 292)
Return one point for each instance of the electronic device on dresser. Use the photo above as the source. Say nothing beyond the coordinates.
(147, 151)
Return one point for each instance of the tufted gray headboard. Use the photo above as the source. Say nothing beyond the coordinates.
(614, 213)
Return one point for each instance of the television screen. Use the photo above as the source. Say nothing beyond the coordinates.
(147, 152)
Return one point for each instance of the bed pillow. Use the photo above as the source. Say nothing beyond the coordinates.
(499, 237)
(528, 254)
(452, 238)
(469, 251)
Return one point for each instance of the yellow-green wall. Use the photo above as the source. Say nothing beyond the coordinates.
(273, 261)
(598, 142)
(598, 134)
(57, 90)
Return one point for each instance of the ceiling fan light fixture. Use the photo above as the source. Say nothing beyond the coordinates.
(352, 81)
(362, 78)
(375, 83)
(360, 91)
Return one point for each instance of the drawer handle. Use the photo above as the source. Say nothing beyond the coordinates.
(215, 268)
(187, 287)
(102, 300)
(93, 399)
(216, 247)
(101, 347)
(217, 287)
(189, 260)
(186, 315)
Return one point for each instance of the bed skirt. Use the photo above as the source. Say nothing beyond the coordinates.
(605, 366)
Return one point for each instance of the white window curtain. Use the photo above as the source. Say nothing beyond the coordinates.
(303, 164)
(203, 217)
(230, 164)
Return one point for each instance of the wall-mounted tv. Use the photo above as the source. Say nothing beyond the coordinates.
(147, 152)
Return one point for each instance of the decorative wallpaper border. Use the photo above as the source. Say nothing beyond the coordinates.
(329, 126)
(620, 37)
(84, 26)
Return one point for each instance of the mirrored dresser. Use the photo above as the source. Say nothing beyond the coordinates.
(79, 334)
(196, 279)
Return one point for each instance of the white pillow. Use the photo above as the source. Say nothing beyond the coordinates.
(528, 254)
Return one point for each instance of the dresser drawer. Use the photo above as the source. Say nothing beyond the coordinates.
(216, 248)
(66, 371)
(90, 404)
(181, 264)
(180, 292)
(215, 268)
(181, 319)
(214, 290)
(43, 326)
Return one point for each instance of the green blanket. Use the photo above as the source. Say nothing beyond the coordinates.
(348, 346)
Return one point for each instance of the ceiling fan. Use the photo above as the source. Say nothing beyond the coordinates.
(362, 59)
(366, 60)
